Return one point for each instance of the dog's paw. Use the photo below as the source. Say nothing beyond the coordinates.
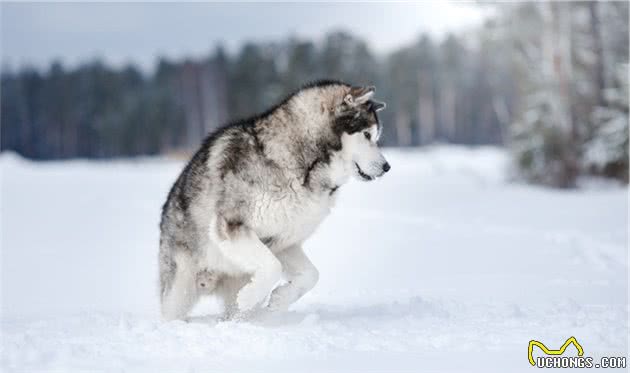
(278, 303)
(248, 298)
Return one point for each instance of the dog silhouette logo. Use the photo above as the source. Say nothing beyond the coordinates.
(547, 351)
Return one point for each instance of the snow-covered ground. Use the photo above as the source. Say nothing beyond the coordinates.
(441, 265)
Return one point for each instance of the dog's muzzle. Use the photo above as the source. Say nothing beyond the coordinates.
(385, 167)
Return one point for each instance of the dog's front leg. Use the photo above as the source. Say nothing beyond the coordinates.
(301, 275)
(242, 247)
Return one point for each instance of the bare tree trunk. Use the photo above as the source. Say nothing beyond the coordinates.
(447, 101)
(558, 58)
(426, 109)
(403, 130)
(192, 96)
(598, 49)
(503, 116)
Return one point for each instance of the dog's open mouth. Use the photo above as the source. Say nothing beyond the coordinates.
(363, 175)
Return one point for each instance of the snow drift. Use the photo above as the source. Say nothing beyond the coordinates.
(459, 269)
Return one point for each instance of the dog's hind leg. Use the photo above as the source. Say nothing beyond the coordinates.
(228, 289)
(301, 275)
(181, 296)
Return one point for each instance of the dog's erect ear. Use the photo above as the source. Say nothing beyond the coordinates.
(359, 95)
(378, 105)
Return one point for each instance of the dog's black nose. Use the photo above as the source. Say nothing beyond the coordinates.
(386, 167)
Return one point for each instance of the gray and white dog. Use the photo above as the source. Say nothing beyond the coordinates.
(235, 219)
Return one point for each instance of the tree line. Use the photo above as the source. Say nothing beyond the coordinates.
(549, 80)
(434, 91)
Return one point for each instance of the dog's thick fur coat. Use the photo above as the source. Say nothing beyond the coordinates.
(237, 216)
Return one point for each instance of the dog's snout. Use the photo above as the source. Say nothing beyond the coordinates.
(386, 167)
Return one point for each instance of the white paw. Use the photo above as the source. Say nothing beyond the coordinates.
(248, 298)
(278, 303)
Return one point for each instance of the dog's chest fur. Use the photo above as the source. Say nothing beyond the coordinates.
(289, 215)
(282, 221)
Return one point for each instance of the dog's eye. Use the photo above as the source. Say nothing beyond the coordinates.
(367, 135)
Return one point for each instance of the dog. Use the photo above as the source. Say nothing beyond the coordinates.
(235, 220)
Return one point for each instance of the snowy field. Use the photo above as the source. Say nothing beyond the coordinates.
(442, 265)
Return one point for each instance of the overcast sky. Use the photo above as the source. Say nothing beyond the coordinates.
(120, 33)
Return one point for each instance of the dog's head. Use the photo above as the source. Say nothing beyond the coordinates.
(356, 122)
